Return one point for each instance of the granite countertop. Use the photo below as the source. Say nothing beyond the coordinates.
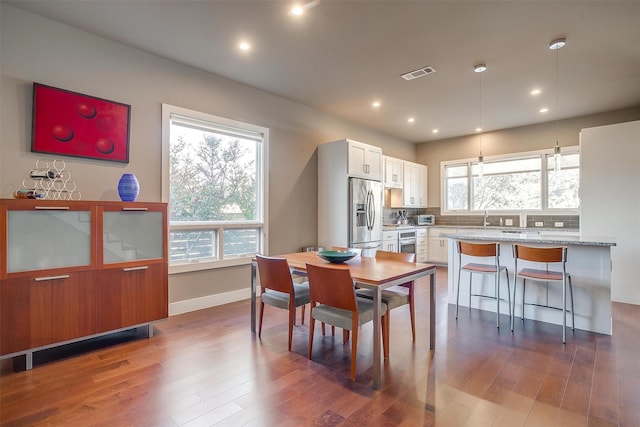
(554, 236)
(394, 227)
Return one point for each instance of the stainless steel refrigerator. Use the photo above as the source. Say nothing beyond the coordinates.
(365, 215)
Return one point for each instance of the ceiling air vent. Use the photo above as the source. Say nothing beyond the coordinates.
(419, 73)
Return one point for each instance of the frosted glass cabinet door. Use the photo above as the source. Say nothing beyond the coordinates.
(39, 240)
(132, 236)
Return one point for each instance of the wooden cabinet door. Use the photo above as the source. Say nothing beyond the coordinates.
(62, 308)
(14, 315)
(130, 296)
(43, 310)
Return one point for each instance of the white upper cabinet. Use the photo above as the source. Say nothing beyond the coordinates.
(414, 191)
(422, 196)
(365, 161)
(393, 171)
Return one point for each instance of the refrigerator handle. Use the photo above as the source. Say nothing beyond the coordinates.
(368, 203)
(372, 209)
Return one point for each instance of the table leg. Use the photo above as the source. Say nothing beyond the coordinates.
(254, 279)
(377, 333)
(432, 310)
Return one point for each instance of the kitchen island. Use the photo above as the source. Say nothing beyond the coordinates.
(588, 263)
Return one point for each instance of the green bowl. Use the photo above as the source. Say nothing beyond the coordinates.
(336, 257)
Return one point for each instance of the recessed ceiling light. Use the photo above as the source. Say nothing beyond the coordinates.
(557, 44)
(435, 131)
(244, 45)
(375, 104)
(535, 92)
(297, 10)
(411, 119)
(478, 129)
(544, 110)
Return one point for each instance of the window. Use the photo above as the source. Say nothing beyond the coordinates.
(214, 182)
(523, 181)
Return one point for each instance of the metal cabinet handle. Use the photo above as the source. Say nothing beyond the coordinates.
(52, 208)
(144, 267)
(42, 279)
(135, 209)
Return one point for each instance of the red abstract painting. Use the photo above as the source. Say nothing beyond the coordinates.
(72, 124)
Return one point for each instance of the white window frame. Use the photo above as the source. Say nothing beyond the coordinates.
(220, 226)
(574, 149)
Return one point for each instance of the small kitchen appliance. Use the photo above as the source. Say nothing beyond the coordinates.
(425, 219)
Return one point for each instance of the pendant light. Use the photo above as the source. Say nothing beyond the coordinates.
(480, 68)
(556, 45)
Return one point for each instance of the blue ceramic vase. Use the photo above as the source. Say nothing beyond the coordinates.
(128, 187)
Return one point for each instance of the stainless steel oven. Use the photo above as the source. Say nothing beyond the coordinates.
(407, 241)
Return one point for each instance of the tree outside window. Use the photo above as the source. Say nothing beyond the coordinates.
(215, 188)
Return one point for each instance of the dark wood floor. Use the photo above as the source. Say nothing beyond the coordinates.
(206, 368)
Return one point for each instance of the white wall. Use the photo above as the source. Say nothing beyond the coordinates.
(36, 49)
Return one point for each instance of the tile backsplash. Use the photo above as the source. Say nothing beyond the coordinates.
(390, 216)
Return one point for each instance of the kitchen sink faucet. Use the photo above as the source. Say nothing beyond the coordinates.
(485, 220)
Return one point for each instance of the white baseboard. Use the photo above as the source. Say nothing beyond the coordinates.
(194, 304)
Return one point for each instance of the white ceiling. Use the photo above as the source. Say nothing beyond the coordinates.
(341, 55)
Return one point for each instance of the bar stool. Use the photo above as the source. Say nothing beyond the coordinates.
(557, 255)
(483, 250)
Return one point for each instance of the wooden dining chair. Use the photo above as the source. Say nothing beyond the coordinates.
(554, 255)
(332, 288)
(340, 249)
(401, 295)
(278, 290)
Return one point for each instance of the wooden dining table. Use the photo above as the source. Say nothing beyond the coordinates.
(370, 273)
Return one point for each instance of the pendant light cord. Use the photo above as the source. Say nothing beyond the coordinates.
(557, 73)
(481, 128)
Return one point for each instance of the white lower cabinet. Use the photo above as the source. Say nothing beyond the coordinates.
(438, 247)
(390, 241)
(422, 249)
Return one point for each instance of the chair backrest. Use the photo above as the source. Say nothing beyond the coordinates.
(332, 286)
(479, 249)
(528, 253)
(342, 249)
(396, 256)
(275, 274)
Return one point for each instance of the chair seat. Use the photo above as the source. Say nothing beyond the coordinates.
(342, 318)
(481, 268)
(281, 299)
(392, 298)
(531, 273)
